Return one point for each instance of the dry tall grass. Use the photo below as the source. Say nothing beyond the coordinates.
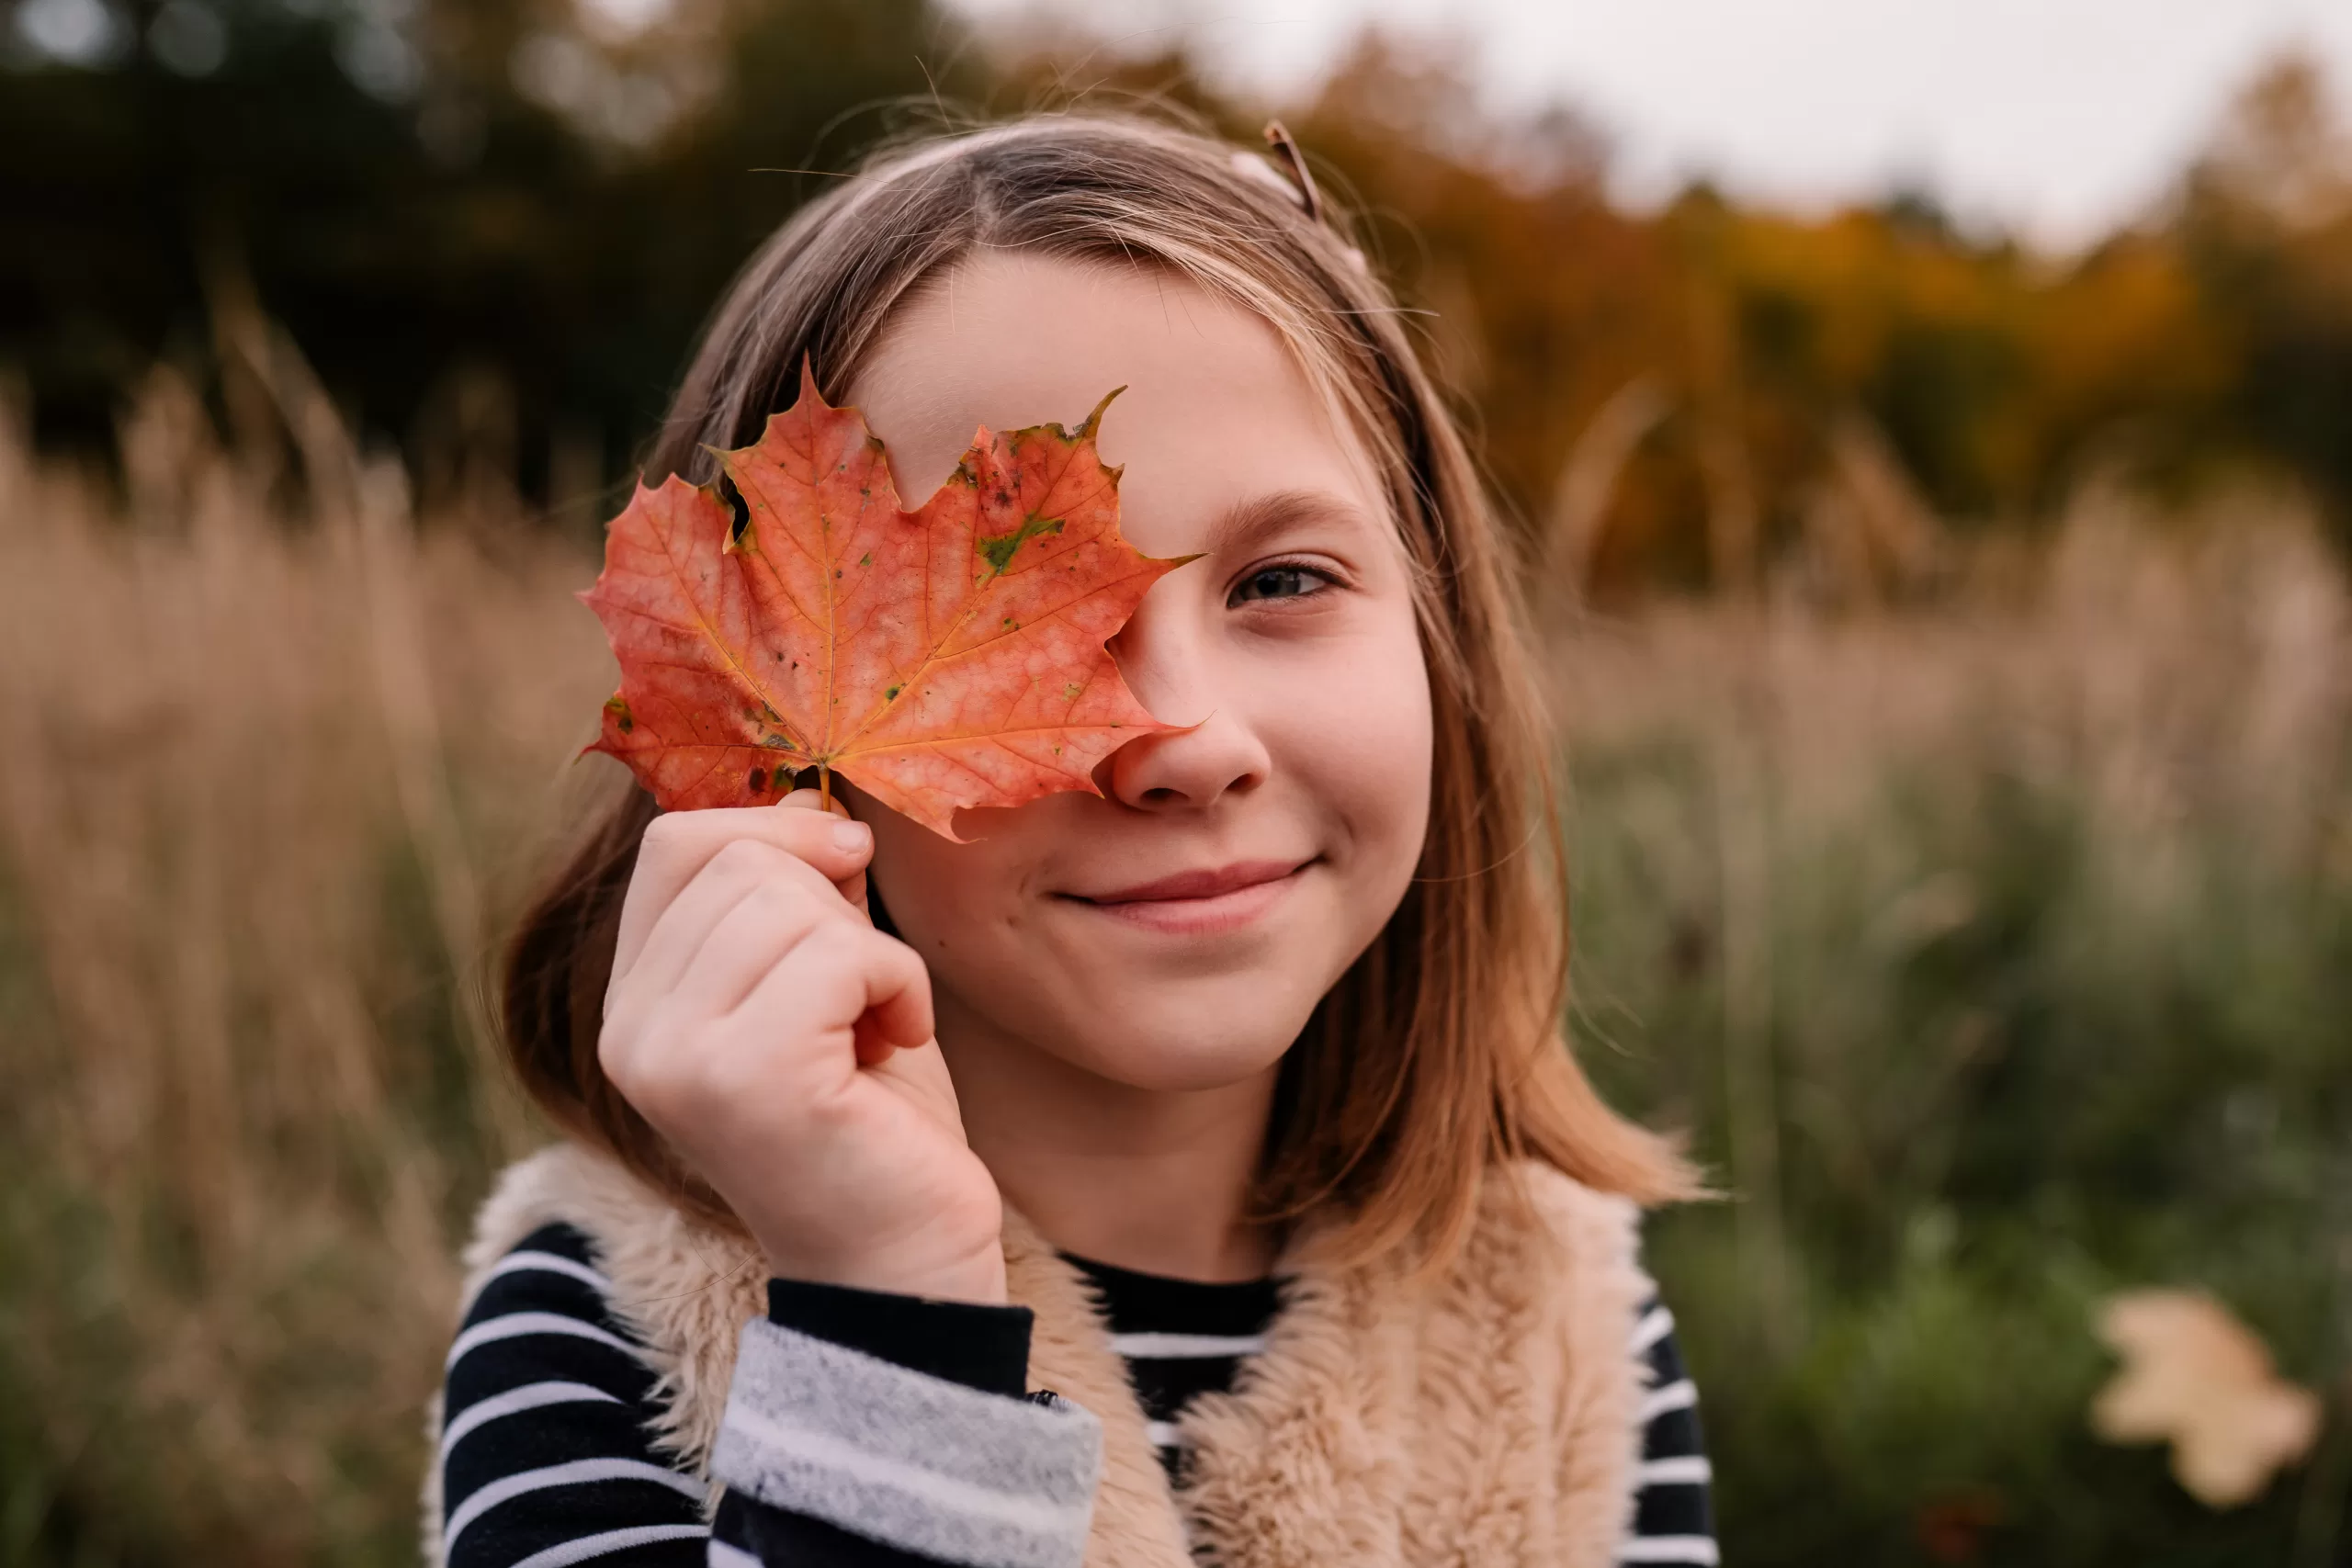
(266, 776)
(258, 769)
(2184, 683)
(2150, 656)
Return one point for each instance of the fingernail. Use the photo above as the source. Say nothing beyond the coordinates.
(851, 837)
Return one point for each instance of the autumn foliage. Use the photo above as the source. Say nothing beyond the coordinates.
(502, 272)
(1711, 392)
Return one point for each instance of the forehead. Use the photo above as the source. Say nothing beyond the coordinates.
(1216, 411)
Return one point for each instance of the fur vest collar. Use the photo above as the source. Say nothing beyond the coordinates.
(1488, 1419)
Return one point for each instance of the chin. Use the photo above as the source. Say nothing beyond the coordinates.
(1182, 1054)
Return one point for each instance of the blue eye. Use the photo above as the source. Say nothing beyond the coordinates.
(1278, 582)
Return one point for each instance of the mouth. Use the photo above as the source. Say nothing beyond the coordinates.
(1200, 902)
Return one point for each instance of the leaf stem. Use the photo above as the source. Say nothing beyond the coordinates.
(824, 787)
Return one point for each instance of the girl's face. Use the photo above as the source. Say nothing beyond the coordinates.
(1175, 933)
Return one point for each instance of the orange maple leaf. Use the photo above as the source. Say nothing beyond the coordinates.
(940, 659)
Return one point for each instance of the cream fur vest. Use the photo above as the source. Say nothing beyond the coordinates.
(1485, 1421)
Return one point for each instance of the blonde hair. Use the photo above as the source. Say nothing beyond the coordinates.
(1438, 1057)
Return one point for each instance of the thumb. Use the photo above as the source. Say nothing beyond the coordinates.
(853, 886)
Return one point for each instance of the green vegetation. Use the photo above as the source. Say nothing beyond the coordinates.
(1999, 960)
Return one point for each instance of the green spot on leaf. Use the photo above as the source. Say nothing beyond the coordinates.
(998, 549)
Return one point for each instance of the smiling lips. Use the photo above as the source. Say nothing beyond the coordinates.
(1200, 902)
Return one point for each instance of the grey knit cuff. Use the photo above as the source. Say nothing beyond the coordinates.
(912, 1461)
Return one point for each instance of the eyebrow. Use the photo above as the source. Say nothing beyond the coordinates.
(1247, 523)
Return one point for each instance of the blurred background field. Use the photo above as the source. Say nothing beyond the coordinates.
(1951, 635)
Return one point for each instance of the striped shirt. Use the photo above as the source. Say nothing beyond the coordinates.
(547, 1461)
(1180, 1338)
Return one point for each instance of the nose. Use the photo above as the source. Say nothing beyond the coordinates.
(1219, 755)
(1187, 768)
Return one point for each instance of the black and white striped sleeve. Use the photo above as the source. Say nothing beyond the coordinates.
(1673, 1515)
(545, 1456)
(863, 1430)
(868, 1428)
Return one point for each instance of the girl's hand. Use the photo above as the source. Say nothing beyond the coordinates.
(784, 1046)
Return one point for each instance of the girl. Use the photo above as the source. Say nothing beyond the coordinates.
(1191, 1171)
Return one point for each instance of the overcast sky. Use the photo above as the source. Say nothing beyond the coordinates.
(2055, 116)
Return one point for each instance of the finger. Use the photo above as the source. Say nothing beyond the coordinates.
(852, 974)
(853, 886)
(903, 1019)
(678, 844)
(752, 938)
(729, 882)
(873, 1046)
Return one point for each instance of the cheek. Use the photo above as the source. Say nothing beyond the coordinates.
(941, 898)
(1355, 728)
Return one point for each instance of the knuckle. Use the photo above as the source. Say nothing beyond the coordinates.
(644, 1035)
(834, 943)
(659, 1025)
(827, 1112)
(743, 858)
(789, 865)
(777, 906)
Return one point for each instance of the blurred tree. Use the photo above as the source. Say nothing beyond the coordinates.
(2266, 219)
(514, 211)
(1989, 377)
(495, 225)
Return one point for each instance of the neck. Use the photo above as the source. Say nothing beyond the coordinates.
(1149, 1180)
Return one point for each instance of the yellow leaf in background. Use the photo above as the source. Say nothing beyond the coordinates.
(2195, 1376)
